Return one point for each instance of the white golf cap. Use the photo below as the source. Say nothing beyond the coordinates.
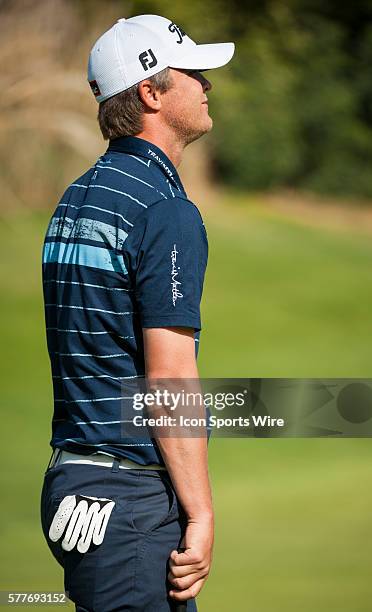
(137, 48)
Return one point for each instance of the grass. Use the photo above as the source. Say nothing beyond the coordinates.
(293, 516)
(283, 299)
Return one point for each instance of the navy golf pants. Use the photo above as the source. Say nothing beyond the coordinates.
(128, 571)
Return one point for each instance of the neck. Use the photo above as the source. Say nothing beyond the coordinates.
(166, 141)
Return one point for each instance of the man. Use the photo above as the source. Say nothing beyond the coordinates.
(123, 267)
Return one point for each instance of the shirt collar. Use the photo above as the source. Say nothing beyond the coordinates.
(144, 148)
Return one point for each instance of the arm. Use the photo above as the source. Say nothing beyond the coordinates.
(170, 353)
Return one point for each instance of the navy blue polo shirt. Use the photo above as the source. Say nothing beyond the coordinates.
(125, 249)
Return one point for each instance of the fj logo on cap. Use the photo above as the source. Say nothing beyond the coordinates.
(175, 28)
(147, 59)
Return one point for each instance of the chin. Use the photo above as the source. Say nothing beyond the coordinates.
(199, 131)
(210, 124)
(204, 129)
(206, 125)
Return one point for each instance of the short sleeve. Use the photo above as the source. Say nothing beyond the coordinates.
(167, 252)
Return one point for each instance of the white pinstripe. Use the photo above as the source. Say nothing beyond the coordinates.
(85, 331)
(110, 212)
(55, 280)
(98, 376)
(89, 308)
(86, 401)
(106, 443)
(89, 355)
(141, 160)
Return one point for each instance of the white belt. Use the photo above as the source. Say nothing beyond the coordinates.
(63, 456)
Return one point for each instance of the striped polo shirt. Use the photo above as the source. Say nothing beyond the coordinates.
(124, 250)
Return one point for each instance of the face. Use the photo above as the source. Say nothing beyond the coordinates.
(185, 105)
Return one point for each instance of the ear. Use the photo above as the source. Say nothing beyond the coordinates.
(149, 95)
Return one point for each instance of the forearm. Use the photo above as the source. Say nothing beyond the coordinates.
(184, 448)
(187, 462)
(171, 365)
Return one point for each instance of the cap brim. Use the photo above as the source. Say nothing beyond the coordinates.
(206, 57)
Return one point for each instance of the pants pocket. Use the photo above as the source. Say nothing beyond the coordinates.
(49, 506)
(154, 505)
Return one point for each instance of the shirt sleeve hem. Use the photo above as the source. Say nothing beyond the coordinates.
(171, 321)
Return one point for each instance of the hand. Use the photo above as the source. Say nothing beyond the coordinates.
(189, 570)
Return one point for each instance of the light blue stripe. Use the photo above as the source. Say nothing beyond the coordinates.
(83, 255)
(89, 229)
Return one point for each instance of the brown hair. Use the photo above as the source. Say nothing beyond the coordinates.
(122, 115)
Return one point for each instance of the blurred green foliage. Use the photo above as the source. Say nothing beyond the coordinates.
(294, 107)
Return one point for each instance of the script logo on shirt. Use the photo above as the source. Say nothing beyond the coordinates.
(174, 273)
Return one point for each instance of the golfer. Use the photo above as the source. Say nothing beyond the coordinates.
(123, 267)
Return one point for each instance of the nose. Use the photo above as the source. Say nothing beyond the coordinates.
(207, 85)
